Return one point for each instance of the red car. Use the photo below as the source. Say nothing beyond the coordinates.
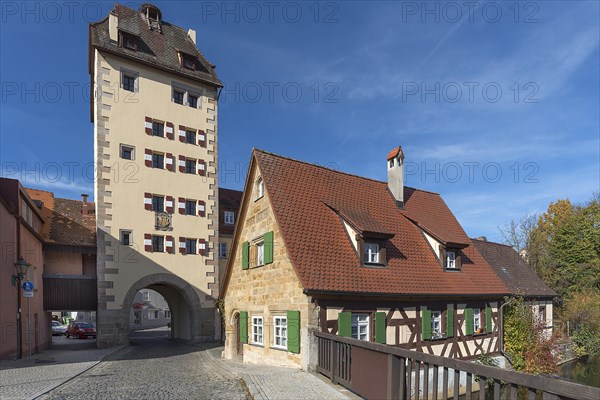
(81, 330)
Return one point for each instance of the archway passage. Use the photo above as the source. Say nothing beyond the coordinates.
(186, 315)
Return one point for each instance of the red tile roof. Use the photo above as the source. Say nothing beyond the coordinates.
(323, 256)
(394, 153)
(64, 222)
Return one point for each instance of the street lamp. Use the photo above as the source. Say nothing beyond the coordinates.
(21, 266)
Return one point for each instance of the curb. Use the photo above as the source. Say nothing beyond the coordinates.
(51, 388)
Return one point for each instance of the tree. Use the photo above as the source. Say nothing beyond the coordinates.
(582, 310)
(517, 234)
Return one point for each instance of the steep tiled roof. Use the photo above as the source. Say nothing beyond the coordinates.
(432, 214)
(156, 47)
(513, 270)
(394, 153)
(321, 251)
(64, 222)
(229, 200)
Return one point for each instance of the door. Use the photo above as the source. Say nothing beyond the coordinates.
(240, 346)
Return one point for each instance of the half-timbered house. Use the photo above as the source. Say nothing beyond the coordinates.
(321, 250)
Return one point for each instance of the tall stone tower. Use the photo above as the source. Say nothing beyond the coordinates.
(154, 110)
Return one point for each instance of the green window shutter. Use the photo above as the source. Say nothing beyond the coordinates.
(488, 319)
(449, 322)
(469, 321)
(245, 255)
(268, 243)
(426, 324)
(243, 327)
(380, 335)
(345, 324)
(293, 331)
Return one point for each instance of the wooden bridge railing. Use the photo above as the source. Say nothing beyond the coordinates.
(377, 371)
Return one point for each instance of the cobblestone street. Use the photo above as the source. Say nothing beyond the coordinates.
(153, 368)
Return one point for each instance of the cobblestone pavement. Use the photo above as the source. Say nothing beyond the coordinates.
(153, 368)
(28, 378)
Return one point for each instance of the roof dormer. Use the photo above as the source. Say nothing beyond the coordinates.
(153, 16)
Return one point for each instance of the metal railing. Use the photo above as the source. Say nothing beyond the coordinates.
(376, 371)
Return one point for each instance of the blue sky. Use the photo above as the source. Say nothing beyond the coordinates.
(496, 106)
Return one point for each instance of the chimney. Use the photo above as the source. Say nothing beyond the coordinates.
(192, 35)
(395, 163)
(113, 27)
(84, 205)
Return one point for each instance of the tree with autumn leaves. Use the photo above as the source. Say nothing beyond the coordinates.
(563, 246)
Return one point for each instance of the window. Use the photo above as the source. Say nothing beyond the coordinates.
(158, 244)
(167, 314)
(178, 96)
(391, 163)
(190, 136)
(158, 160)
(127, 152)
(257, 330)
(260, 254)
(158, 203)
(188, 62)
(126, 238)
(153, 314)
(158, 129)
(190, 246)
(542, 314)
(451, 260)
(190, 207)
(360, 326)
(129, 83)
(222, 250)
(280, 332)
(229, 217)
(371, 253)
(192, 100)
(190, 166)
(260, 188)
(146, 295)
(477, 320)
(128, 41)
(436, 324)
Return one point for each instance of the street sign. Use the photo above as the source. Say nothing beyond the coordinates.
(28, 286)
(27, 293)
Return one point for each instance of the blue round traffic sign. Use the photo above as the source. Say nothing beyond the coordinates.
(27, 286)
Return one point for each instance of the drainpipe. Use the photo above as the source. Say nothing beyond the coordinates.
(501, 330)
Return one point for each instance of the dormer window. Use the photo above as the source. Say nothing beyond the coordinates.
(371, 255)
(128, 41)
(188, 62)
(450, 260)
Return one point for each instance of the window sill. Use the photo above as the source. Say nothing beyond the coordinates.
(438, 338)
(262, 346)
(479, 334)
(373, 265)
(452, 269)
(279, 348)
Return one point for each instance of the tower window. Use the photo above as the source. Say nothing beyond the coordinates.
(158, 129)
(129, 83)
(192, 101)
(127, 152)
(190, 136)
(190, 166)
(178, 96)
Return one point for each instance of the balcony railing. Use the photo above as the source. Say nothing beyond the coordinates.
(377, 371)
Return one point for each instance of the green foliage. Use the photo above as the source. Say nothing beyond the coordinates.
(525, 342)
(583, 311)
(486, 359)
(586, 342)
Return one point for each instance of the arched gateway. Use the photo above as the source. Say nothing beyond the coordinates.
(155, 131)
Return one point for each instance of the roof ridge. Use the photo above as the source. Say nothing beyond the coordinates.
(333, 170)
(491, 242)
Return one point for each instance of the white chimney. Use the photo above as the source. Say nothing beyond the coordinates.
(192, 35)
(395, 164)
(113, 27)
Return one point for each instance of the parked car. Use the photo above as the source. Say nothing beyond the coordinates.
(58, 329)
(81, 330)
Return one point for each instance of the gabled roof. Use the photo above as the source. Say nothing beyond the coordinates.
(64, 223)
(159, 48)
(513, 270)
(321, 251)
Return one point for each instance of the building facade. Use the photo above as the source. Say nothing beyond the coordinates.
(21, 238)
(155, 131)
(321, 250)
(149, 310)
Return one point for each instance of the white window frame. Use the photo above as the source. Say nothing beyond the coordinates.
(128, 232)
(133, 74)
(280, 330)
(153, 314)
(360, 320)
(257, 330)
(260, 253)
(187, 90)
(371, 253)
(450, 260)
(476, 319)
(229, 217)
(222, 249)
(260, 187)
(436, 320)
(167, 314)
(145, 295)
